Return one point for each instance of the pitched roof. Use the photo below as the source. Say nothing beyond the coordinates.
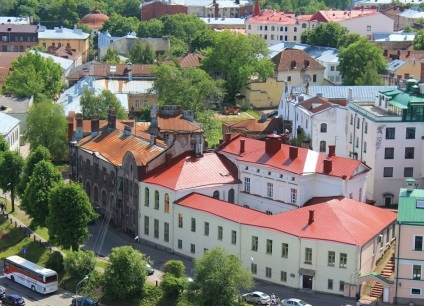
(359, 93)
(18, 28)
(337, 16)
(256, 126)
(306, 162)
(318, 104)
(7, 123)
(340, 220)
(94, 19)
(284, 61)
(408, 212)
(6, 59)
(188, 171)
(270, 16)
(177, 123)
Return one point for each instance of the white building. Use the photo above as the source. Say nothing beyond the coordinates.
(10, 130)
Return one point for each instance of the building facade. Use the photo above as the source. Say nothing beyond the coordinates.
(18, 37)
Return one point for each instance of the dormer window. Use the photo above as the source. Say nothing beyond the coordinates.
(257, 170)
(293, 65)
(306, 63)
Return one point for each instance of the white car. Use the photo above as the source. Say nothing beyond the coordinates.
(294, 302)
(257, 297)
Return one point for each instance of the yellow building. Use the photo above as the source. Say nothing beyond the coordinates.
(73, 39)
(138, 101)
(404, 69)
(261, 94)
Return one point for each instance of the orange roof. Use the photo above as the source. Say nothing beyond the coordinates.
(94, 19)
(317, 104)
(6, 59)
(177, 123)
(187, 171)
(283, 61)
(256, 125)
(103, 70)
(337, 16)
(340, 220)
(307, 161)
(270, 16)
(113, 145)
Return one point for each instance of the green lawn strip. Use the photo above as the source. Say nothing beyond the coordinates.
(252, 113)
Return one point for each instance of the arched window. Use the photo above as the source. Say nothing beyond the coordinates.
(156, 199)
(231, 195)
(295, 29)
(216, 194)
(272, 28)
(166, 202)
(146, 197)
(303, 25)
(293, 65)
(322, 146)
(281, 29)
(323, 127)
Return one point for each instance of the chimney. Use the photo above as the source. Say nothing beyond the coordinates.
(94, 125)
(127, 130)
(331, 150)
(71, 119)
(293, 151)
(272, 144)
(111, 119)
(242, 141)
(311, 216)
(168, 158)
(350, 95)
(198, 146)
(79, 130)
(328, 165)
(256, 9)
(152, 140)
(227, 137)
(410, 182)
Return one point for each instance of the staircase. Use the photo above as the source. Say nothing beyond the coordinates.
(377, 290)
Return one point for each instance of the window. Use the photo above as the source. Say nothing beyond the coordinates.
(323, 127)
(343, 260)
(388, 172)
(254, 243)
(418, 244)
(366, 128)
(365, 147)
(416, 272)
(330, 284)
(357, 142)
(156, 228)
(272, 28)
(137, 103)
(351, 119)
(360, 195)
(341, 286)
(192, 248)
(369, 28)
(156, 199)
(216, 194)
(410, 133)
(231, 195)
(269, 190)
(308, 255)
(254, 268)
(284, 250)
(390, 133)
(314, 78)
(389, 153)
(180, 244)
(331, 258)
(146, 225)
(249, 27)
(220, 230)
(146, 196)
(247, 184)
(166, 202)
(206, 229)
(180, 220)
(293, 195)
(268, 272)
(322, 146)
(415, 291)
(289, 77)
(408, 172)
(193, 224)
(233, 237)
(357, 123)
(269, 246)
(283, 276)
(266, 28)
(409, 153)
(166, 232)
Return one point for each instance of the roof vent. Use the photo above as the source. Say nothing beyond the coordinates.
(410, 184)
(311, 216)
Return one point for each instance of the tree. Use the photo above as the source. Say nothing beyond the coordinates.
(142, 54)
(353, 57)
(347, 39)
(47, 126)
(39, 154)
(3, 145)
(111, 57)
(174, 280)
(118, 25)
(218, 277)
(418, 42)
(36, 196)
(151, 28)
(100, 105)
(125, 276)
(370, 76)
(11, 165)
(182, 26)
(324, 34)
(80, 263)
(239, 58)
(203, 40)
(33, 75)
(69, 204)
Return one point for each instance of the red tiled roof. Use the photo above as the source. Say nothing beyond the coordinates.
(340, 220)
(283, 61)
(94, 19)
(177, 123)
(337, 16)
(6, 59)
(307, 161)
(190, 60)
(317, 104)
(273, 17)
(187, 171)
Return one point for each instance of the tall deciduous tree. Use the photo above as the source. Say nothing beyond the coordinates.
(125, 276)
(324, 34)
(174, 280)
(239, 58)
(183, 26)
(69, 204)
(111, 57)
(218, 278)
(418, 42)
(99, 105)
(118, 25)
(151, 28)
(11, 165)
(142, 54)
(78, 264)
(33, 75)
(3, 145)
(36, 196)
(47, 126)
(353, 61)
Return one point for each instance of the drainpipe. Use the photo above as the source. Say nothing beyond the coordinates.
(397, 264)
(354, 134)
(362, 137)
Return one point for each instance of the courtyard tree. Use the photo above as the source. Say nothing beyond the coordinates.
(174, 280)
(324, 35)
(69, 204)
(100, 104)
(11, 165)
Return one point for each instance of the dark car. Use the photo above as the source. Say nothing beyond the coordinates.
(84, 301)
(13, 299)
(2, 293)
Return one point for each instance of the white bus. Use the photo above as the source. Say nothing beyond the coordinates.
(29, 274)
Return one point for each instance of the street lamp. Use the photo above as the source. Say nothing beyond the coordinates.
(76, 290)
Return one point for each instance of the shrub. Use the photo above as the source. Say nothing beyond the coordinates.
(55, 261)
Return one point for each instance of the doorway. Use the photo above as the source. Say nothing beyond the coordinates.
(307, 282)
(387, 201)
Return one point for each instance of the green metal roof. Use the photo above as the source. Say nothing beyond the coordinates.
(391, 92)
(397, 104)
(407, 209)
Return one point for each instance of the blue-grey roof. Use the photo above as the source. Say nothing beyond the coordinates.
(221, 3)
(410, 13)
(61, 33)
(104, 39)
(395, 65)
(14, 20)
(7, 123)
(325, 54)
(229, 21)
(393, 36)
(277, 48)
(359, 93)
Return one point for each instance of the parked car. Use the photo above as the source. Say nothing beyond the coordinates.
(2, 292)
(84, 301)
(257, 297)
(150, 270)
(294, 302)
(12, 300)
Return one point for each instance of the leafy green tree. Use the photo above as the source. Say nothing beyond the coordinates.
(324, 34)
(35, 200)
(370, 76)
(178, 47)
(69, 204)
(211, 126)
(39, 154)
(3, 145)
(125, 276)
(151, 28)
(353, 57)
(338, 4)
(55, 261)
(174, 280)
(48, 127)
(203, 40)
(33, 75)
(127, 8)
(218, 278)
(11, 165)
(111, 57)
(142, 54)
(347, 39)
(118, 25)
(100, 105)
(6, 7)
(238, 57)
(182, 26)
(418, 42)
(174, 267)
(80, 263)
